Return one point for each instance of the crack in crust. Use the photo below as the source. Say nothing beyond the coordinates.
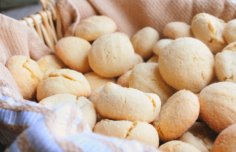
(134, 124)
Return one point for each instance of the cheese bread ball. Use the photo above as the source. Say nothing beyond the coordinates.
(144, 40)
(95, 26)
(83, 105)
(63, 81)
(49, 63)
(112, 55)
(226, 140)
(176, 30)
(147, 78)
(141, 131)
(218, 105)
(187, 63)
(123, 80)
(160, 45)
(177, 146)
(177, 115)
(230, 47)
(230, 31)
(225, 66)
(209, 29)
(200, 136)
(115, 102)
(97, 81)
(26, 73)
(73, 51)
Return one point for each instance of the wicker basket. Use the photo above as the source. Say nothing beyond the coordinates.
(46, 23)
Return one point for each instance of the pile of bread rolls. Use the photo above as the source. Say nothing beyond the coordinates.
(178, 92)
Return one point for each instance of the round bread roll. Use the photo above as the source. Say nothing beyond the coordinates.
(226, 140)
(200, 136)
(63, 81)
(147, 78)
(140, 131)
(187, 63)
(144, 40)
(96, 81)
(26, 73)
(95, 26)
(225, 66)
(115, 102)
(112, 55)
(49, 63)
(177, 115)
(230, 31)
(73, 51)
(177, 146)
(161, 44)
(123, 80)
(83, 105)
(218, 105)
(153, 59)
(231, 46)
(209, 29)
(176, 30)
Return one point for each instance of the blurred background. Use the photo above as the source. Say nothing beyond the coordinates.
(19, 8)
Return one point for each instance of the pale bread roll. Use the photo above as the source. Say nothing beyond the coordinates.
(226, 140)
(73, 51)
(218, 105)
(141, 131)
(187, 63)
(154, 59)
(84, 106)
(112, 55)
(176, 30)
(97, 81)
(209, 29)
(160, 45)
(225, 66)
(63, 81)
(95, 26)
(49, 63)
(177, 146)
(177, 115)
(231, 46)
(230, 31)
(26, 73)
(123, 80)
(144, 40)
(115, 102)
(147, 78)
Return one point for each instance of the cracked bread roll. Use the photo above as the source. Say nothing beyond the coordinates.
(230, 47)
(49, 63)
(123, 80)
(160, 45)
(177, 146)
(115, 102)
(230, 31)
(83, 105)
(26, 73)
(218, 105)
(97, 81)
(141, 131)
(147, 78)
(95, 26)
(176, 30)
(226, 140)
(63, 81)
(112, 55)
(73, 51)
(144, 40)
(225, 66)
(209, 29)
(200, 136)
(187, 63)
(177, 115)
